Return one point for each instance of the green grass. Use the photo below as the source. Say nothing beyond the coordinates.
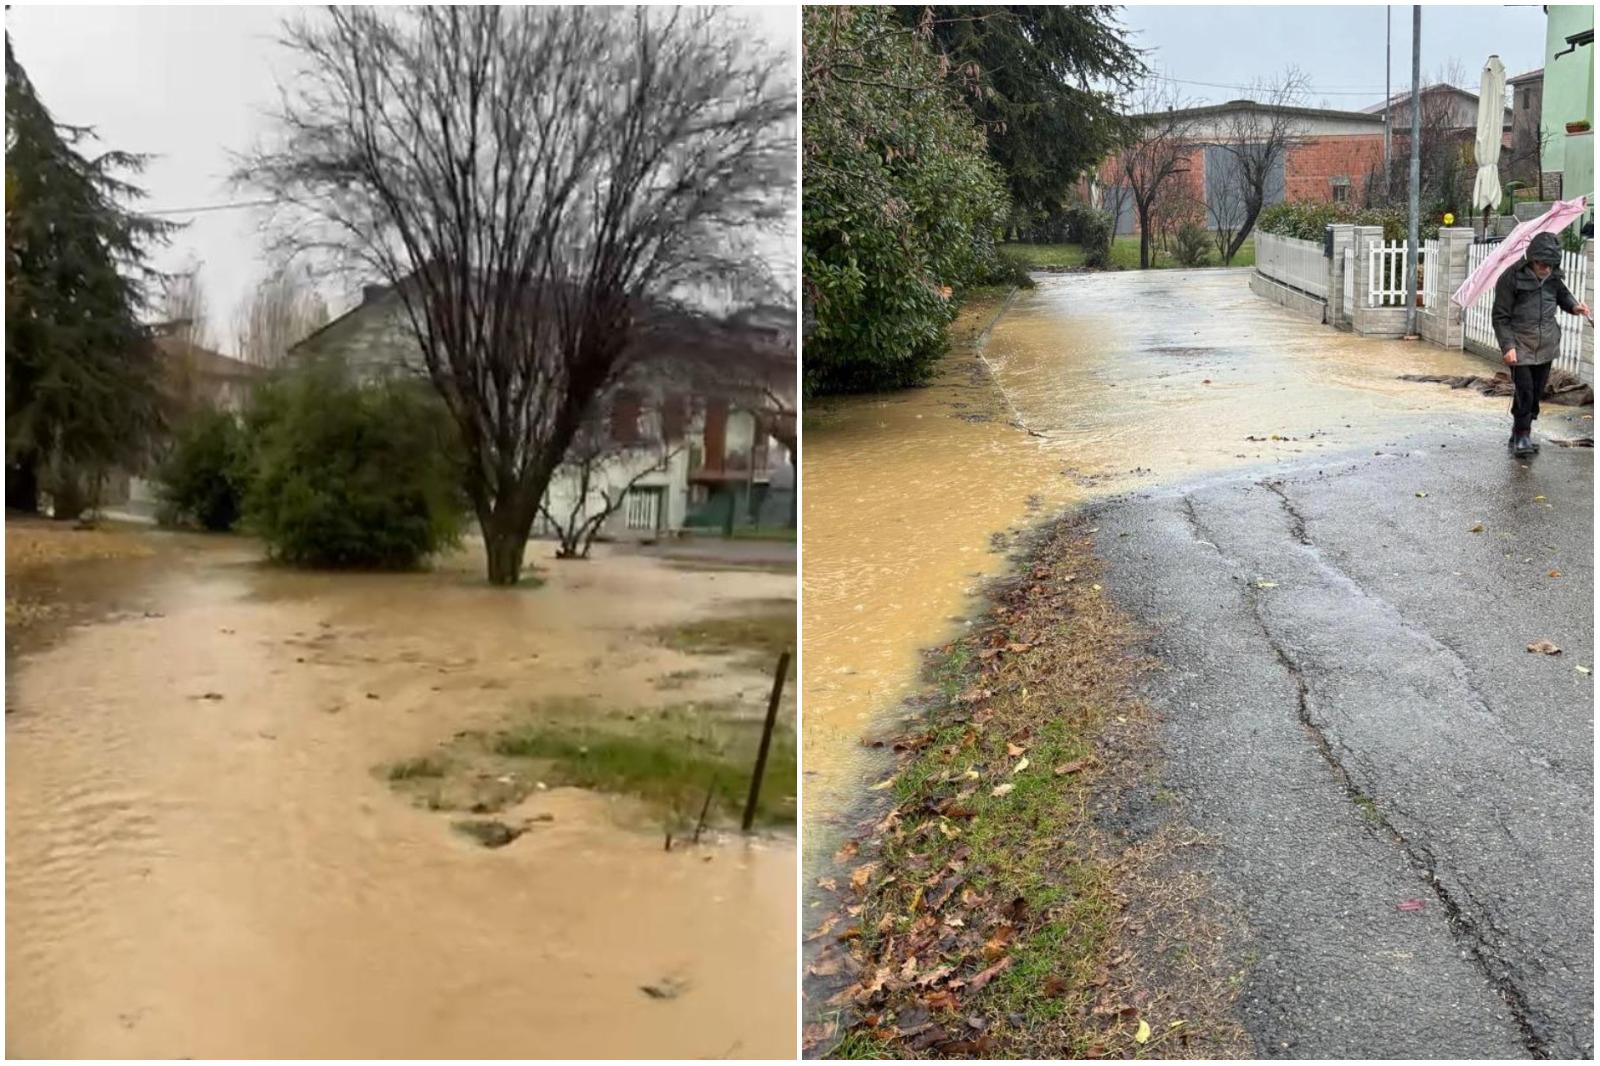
(1124, 255)
(422, 766)
(767, 632)
(671, 771)
(858, 1044)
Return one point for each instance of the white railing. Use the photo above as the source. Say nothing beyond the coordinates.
(1298, 264)
(1478, 325)
(1430, 258)
(1387, 263)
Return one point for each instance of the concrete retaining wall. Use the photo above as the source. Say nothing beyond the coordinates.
(1300, 303)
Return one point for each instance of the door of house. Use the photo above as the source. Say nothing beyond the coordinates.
(644, 509)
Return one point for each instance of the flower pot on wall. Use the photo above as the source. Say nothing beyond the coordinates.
(1581, 126)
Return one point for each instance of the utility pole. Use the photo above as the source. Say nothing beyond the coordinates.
(1413, 219)
(1388, 95)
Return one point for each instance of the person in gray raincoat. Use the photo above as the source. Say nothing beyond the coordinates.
(1526, 297)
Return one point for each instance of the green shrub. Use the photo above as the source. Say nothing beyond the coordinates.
(1192, 246)
(902, 202)
(203, 477)
(351, 475)
(1092, 231)
(1307, 219)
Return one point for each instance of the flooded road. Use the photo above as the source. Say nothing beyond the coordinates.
(203, 859)
(1095, 384)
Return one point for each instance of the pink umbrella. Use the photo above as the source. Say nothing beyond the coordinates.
(1510, 250)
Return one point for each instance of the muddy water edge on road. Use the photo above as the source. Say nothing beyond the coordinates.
(219, 843)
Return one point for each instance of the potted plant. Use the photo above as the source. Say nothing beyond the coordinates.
(1580, 126)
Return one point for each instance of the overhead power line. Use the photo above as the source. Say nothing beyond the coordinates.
(1370, 93)
(211, 207)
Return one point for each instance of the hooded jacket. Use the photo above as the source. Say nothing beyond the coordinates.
(1524, 314)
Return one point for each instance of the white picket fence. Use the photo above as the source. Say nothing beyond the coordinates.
(1298, 264)
(1387, 263)
(1478, 327)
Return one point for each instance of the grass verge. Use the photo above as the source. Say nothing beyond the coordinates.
(990, 908)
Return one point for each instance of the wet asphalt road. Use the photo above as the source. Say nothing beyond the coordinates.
(1350, 712)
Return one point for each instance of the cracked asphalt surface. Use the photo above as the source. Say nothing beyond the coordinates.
(1350, 713)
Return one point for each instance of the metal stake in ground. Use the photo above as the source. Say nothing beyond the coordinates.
(766, 741)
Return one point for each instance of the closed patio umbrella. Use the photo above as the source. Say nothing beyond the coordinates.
(1491, 121)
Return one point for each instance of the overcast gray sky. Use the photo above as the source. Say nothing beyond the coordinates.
(187, 84)
(1340, 49)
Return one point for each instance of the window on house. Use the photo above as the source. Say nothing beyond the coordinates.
(1341, 190)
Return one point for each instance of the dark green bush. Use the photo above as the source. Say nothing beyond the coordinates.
(203, 477)
(344, 474)
(902, 202)
(1092, 231)
(1008, 270)
(1192, 246)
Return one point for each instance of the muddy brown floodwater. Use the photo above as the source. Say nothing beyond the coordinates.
(201, 860)
(1088, 384)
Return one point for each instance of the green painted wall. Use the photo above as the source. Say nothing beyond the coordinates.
(1568, 91)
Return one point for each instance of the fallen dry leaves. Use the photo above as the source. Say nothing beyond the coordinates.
(926, 929)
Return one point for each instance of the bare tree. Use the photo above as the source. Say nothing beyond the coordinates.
(1159, 150)
(1224, 210)
(1114, 200)
(1257, 140)
(596, 459)
(546, 188)
(284, 309)
(185, 330)
(1445, 144)
(185, 309)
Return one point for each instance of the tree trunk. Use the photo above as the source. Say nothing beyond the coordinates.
(1244, 231)
(505, 538)
(22, 484)
(504, 550)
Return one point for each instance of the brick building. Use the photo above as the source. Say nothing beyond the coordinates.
(1333, 153)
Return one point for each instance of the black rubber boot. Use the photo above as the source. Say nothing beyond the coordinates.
(1523, 447)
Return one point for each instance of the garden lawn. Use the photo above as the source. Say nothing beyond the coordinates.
(1124, 255)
